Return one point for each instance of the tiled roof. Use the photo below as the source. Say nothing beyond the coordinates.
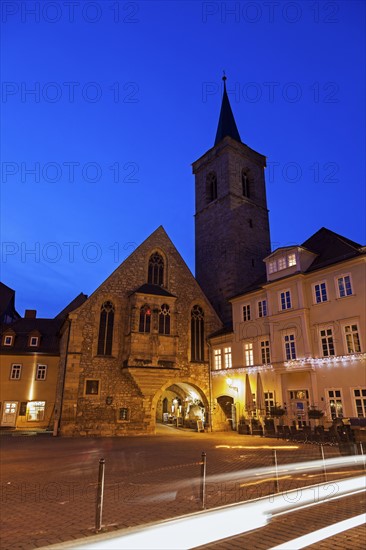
(74, 304)
(48, 329)
(330, 248)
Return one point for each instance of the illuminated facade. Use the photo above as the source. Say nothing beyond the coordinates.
(135, 352)
(298, 339)
(30, 358)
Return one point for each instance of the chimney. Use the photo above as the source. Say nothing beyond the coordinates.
(30, 314)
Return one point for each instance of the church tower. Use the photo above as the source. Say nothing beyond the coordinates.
(231, 220)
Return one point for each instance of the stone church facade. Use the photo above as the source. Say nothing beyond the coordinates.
(135, 352)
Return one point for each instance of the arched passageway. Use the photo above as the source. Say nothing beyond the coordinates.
(182, 405)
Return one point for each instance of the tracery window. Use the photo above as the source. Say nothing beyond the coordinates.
(197, 334)
(156, 269)
(164, 319)
(145, 319)
(106, 323)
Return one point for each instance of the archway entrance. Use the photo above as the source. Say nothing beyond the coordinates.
(227, 411)
(182, 405)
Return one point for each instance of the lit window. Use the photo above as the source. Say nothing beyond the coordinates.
(291, 259)
(217, 359)
(320, 292)
(326, 338)
(156, 269)
(269, 401)
(352, 339)
(197, 334)
(35, 410)
(246, 312)
(106, 323)
(41, 372)
(91, 387)
(265, 352)
(8, 340)
(145, 319)
(15, 372)
(290, 348)
(344, 286)
(248, 354)
(360, 402)
(281, 263)
(262, 308)
(286, 300)
(272, 267)
(227, 358)
(33, 342)
(164, 319)
(335, 404)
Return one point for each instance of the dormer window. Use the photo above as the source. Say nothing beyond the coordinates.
(272, 267)
(33, 341)
(291, 259)
(8, 340)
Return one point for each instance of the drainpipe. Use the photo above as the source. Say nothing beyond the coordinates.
(59, 403)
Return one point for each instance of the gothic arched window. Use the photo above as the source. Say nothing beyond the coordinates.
(145, 319)
(197, 334)
(245, 184)
(164, 319)
(106, 323)
(156, 269)
(211, 186)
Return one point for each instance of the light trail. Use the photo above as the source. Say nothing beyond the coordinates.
(206, 527)
(321, 534)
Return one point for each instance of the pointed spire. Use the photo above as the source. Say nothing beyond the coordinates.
(227, 124)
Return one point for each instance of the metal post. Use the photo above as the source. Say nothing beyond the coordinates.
(100, 494)
(363, 456)
(276, 483)
(324, 467)
(203, 480)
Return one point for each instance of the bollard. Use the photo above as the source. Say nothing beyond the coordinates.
(276, 481)
(100, 494)
(363, 456)
(203, 480)
(324, 467)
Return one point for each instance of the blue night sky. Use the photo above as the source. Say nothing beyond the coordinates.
(126, 95)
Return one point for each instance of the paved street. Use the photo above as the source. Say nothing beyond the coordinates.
(48, 484)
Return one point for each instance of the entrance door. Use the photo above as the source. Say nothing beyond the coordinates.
(9, 417)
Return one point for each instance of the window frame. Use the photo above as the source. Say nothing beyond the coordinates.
(197, 334)
(262, 308)
(92, 394)
(340, 277)
(249, 354)
(358, 332)
(265, 350)
(39, 369)
(16, 367)
(324, 341)
(228, 357)
(106, 329)
(362, 398)
(286, 293)
(337, 399)
(321, 300)
(31, 344)
(217, 359)
(246, 312)
(5, 343)
(290, 346)
(164, 320)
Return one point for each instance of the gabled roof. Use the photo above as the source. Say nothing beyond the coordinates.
(227, 125)
(74, 304)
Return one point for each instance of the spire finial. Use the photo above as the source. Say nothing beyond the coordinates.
(224, 76)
